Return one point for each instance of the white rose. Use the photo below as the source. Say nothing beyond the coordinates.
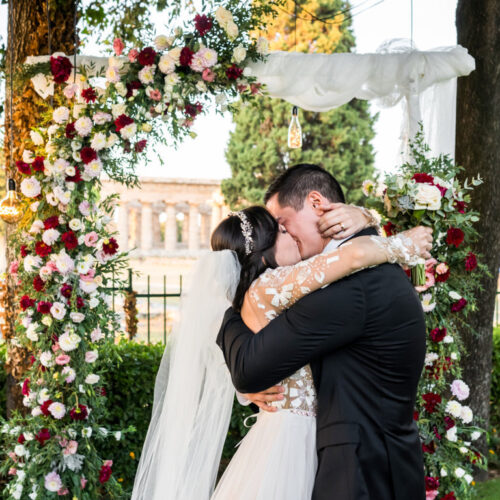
(61, 114)
(455, 295)
(98, 141)
(262, 46)
(167, 64)
(83, 126)
(20, 450)
(58, 310)
(451, 434)
(162, 42)
(92, 379)
(30, 187)
(118, 435)
(239, 54)
(118, 109)
(111, 140)
(428, 197)
(475, 435)
(466, 415)
(454, 408)
(223, 16)
(75, 224)
(468, 478)
(36, 227)
(77, 317)
(459, 472)
(232, 32)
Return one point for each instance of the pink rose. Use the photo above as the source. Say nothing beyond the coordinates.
(90, 356)
(208, 75)
(56, 347)
(90, 239)
(62, 442)
(83, 482)
(108, 463)
(62, 491)
(431, 494)
(442, 268)
(155, 94)
(63, 359)
(14, 267)
(84, 208)
(12, 471)
(118, 46)
(460, 389)
(71, 448)
(70, 90)
(429, 265)
(132, 55)
(429, 281)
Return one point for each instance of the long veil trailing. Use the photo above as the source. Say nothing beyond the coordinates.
(193, 393)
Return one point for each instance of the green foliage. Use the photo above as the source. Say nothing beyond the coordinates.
(494, 435)
(489, 490)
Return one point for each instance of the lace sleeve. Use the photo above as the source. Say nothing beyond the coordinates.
(278, 289)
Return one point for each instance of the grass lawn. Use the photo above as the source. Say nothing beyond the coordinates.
(490, 490)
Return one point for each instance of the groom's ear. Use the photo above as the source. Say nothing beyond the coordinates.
(315, 201)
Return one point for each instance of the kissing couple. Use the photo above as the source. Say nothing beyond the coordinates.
(307, 312)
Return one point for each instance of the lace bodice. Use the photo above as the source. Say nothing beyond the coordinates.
(278, 289)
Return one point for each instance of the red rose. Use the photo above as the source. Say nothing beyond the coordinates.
(429, 448)
(38, 283)
(470, 262)
(193, 109)
(389, 228)
(51, 222)
(45, 407)
(42, 249)
(32, 359)
(61, 68)
(43, 307)
(131, 86)
(438, 334)
(23, 168)
(104, 474)
(24, 250)
(436, 433)
(66, 290)
(458, 306)
(21, 439)
(233, 72)
(441, 278)
(449, 496)
(38, 165)
(448, 423)
(88, 154)
(146, 56)
(442, 189)
(423, 178)
(69, 239)
(139, 146)
(460, 206)
(70, 130)
(122, 121)
(80, 303)
(101, 391)
(186, 56)
(79, 413)
(455, 236)
(431, 483)
(75, 178)
(26, 302)
(203, 24)
(431, 401)
(110, 247)
(89, 94)
(42, 436)
(26, 387)
(415, 415)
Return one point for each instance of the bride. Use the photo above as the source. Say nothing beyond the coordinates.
(256, 268)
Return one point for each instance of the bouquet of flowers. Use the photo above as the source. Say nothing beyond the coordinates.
(427, 192)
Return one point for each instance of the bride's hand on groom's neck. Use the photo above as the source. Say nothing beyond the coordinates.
(340, 221)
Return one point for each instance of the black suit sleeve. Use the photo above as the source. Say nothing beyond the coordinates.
(320, 322)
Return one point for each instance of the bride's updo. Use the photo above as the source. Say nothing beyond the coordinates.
(255, 250)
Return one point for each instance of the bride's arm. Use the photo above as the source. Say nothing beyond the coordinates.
(280, 288)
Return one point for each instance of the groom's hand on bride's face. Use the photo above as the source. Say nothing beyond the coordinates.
(262, 399)
(340, 221)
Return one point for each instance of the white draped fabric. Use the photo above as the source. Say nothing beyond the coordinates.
(423, 81)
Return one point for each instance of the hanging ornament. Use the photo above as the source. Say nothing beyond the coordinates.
(294, 130)
(11, 207)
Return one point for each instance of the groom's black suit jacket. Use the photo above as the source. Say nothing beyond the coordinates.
(364, 337)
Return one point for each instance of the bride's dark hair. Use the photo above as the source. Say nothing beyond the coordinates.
(228, 236)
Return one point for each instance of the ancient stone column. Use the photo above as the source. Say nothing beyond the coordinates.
(146, 226)
(216, 216)
(123, 225)
(170, 228)
(194, 228)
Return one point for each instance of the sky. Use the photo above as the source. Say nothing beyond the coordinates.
(374, 22)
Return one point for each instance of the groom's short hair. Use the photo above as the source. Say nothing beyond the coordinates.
(293, 186)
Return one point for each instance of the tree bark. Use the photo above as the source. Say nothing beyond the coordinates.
(29, 36)
(478, 150)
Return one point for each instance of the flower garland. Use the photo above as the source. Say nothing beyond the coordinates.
(65, 248)
(427, 192)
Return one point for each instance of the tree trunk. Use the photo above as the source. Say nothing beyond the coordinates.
(478, 150)
(29, 37)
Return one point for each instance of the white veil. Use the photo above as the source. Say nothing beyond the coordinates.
(193, 394)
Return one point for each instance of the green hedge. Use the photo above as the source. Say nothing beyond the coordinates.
(494, 435)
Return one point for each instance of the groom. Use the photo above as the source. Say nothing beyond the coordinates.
(364, 337)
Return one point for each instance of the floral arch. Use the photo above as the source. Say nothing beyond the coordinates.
(65, 251)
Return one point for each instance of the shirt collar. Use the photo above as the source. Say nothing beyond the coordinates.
(333, 244)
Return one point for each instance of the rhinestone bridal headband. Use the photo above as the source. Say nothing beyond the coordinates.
(246, 230)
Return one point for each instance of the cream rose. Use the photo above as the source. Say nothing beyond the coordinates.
(428, 197)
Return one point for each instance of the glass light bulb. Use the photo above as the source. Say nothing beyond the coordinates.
(10, 207)
(294, 130)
